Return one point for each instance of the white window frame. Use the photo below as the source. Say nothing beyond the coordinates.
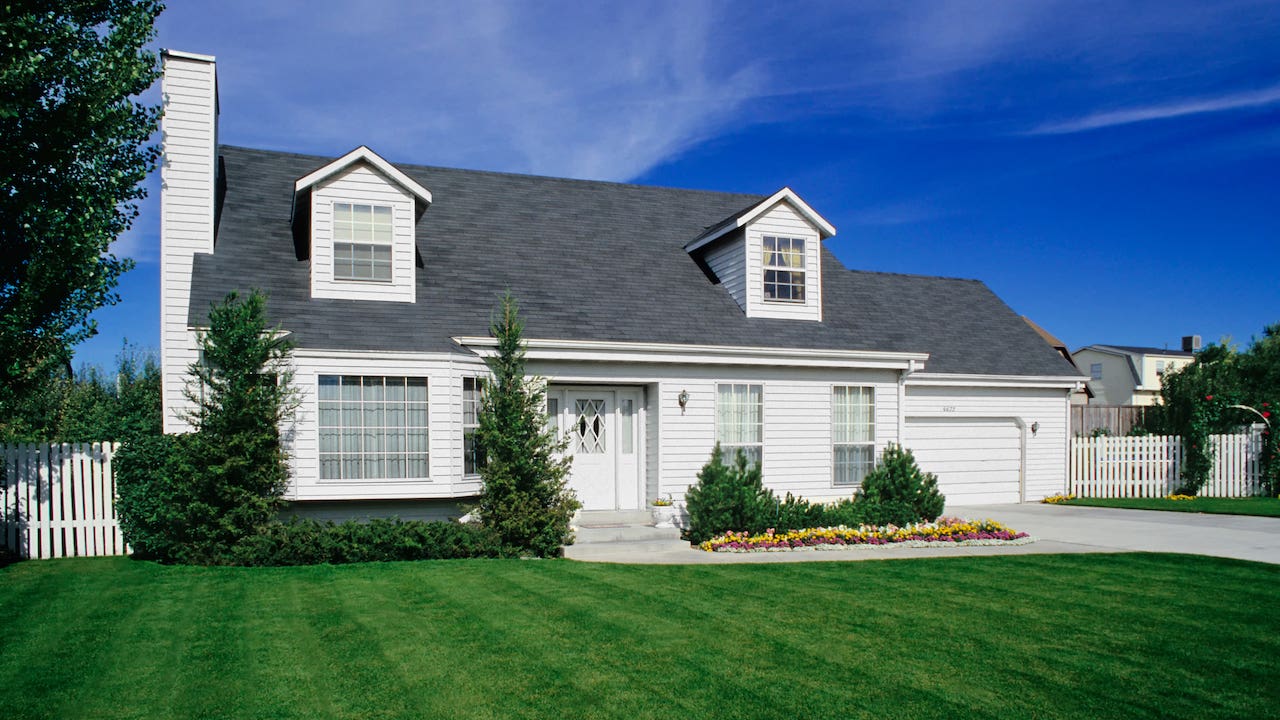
(469, 428)
(1160, 366)
(801, 272)
(836, 445)
(373, 245)
(344, 456)
(729, 449)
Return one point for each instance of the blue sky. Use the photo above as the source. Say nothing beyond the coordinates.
(1110, 169)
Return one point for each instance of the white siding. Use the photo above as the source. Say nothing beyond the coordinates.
(652, 449)
(797, 418)
(362, 184)
(729, 263)
(188, 141)
(783, 221)
(1045, 457)
(341, 510)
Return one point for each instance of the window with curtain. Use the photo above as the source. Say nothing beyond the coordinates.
(783, 269)
(373, 427)
(853, 433)
(740, 421)
(362, 239)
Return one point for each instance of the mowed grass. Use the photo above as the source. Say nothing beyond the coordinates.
(1070, 636)
(1265, 506)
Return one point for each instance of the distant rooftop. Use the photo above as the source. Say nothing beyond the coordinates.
(1150, 350)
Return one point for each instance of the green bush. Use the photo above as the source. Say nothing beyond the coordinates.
(733, 498)
(153, 485)
(793, 513)
(727, 497)
(312, 542)
(897, 483)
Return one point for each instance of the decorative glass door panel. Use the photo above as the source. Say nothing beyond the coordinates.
(590, 429)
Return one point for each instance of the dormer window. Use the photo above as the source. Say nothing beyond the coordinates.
(362, 242)
(784, 262)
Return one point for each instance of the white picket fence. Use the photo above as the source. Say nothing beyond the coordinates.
(1150, 466)
(58, 500)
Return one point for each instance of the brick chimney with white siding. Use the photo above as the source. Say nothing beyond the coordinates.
(188, 161)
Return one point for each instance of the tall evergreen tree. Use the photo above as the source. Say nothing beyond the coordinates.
(526, 497)
(74, 157)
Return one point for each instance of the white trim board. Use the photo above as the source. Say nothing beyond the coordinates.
(610, 351)
(363, 154)
(787, 195)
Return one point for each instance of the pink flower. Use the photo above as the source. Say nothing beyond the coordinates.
(1208, 397)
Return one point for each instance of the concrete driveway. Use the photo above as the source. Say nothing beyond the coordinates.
(1091, 529)
(1058, 529)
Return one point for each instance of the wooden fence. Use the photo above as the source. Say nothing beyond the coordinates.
(1115, 419)
(1150, 466)
(58, 500)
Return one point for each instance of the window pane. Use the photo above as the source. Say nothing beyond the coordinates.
(370, 433)
(628, 426)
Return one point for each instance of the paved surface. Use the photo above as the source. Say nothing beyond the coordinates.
(1058, 529)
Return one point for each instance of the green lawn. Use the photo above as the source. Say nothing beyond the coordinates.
(1070, 636)
(1269, 507)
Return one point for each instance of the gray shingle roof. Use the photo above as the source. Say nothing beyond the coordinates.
(587, 261)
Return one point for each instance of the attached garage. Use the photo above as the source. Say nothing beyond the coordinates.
(977, 460)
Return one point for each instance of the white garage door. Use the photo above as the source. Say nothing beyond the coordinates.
(977, 460)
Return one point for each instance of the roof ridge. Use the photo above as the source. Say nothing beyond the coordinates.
(322, 159)
(916, 275)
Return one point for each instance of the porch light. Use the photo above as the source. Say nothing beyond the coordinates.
(1035, 428)
(683, 399)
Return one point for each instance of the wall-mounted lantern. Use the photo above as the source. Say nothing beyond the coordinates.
(1035, 428)
(683, 399)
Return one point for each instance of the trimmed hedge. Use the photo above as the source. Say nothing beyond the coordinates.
(313, 542)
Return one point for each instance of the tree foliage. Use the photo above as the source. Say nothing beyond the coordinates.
(727, 497)
(94, 406)
(192, 498)
(525, 498)
(896, 479)
(74, 157)
(1204, 398)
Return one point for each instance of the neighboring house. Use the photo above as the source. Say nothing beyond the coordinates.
(1080, 396)
(663, 320)
(1127, 375)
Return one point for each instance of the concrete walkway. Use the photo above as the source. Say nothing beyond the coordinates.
(1058, 529)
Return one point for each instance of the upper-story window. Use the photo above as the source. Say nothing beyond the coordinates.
(1159, 368)
(783, 269)
(362, 239)
(1095, 371)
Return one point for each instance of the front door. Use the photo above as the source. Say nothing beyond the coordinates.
(603, 429)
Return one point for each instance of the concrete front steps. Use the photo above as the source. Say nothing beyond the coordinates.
(601, 533)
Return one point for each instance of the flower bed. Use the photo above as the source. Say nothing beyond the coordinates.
(946, 530)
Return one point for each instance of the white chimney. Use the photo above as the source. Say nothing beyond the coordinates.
(188, 162)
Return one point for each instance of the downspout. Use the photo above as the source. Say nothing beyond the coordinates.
(902, 400)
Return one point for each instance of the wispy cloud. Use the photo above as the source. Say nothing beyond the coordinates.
(603, 92)
(1129, 116)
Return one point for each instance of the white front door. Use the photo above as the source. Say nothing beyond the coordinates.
(603, 429)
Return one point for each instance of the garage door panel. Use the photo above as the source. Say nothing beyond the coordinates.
(976, 460)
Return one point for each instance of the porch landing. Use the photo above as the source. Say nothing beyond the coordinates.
(602, 534)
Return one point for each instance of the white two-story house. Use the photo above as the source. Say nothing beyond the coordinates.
(664, 321)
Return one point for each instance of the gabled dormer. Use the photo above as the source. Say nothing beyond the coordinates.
(768, 257)
(355, 219)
